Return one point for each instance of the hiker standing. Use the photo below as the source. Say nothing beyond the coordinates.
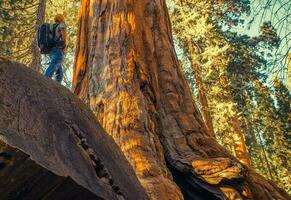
(57, 48)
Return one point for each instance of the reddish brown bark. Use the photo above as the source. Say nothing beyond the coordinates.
(126, 69)
(121, 107)
(240, 148)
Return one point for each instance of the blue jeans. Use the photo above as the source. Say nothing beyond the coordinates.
(55, 66)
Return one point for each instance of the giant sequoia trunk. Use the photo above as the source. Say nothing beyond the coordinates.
(126, 69)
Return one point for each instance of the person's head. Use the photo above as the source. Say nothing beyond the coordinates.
(59, 18)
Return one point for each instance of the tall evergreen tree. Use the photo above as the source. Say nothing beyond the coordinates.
(269, 131)
(283, 110)
(206, 47)
(229, 65)
(18, 28)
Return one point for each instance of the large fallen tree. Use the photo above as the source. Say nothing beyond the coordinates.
(58, 132)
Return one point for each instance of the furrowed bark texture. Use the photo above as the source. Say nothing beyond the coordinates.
(47, 122)
(126, 69)
(123, 94)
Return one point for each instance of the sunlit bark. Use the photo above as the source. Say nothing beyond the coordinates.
(127, 70)
(240, 148)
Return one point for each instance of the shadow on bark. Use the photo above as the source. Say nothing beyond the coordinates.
(21, 178)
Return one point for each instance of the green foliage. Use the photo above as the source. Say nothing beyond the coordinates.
(234, 68)
(283, 110)
(269, 35)
(272, 19)
(17, 29)
(268, 125)
(18, 32)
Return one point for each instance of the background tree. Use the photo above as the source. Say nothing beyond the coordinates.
(268, 128)
(283, 99)
(18, 30)
(40, 17)
(210, 61)
(278, 14)
(229, 63)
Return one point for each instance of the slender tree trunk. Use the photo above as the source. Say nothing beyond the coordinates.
(266, 158)
(36, 58)
(263, 159)
(240, 148)
(239, 143)
(201, 89)
(127, 70)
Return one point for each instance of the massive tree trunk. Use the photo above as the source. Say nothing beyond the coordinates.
(124, 94)
(59, 132)
(127, 70)
(36, 57)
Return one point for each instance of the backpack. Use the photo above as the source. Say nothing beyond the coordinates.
(46, 40)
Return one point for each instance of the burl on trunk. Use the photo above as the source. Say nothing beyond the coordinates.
(127, 70)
